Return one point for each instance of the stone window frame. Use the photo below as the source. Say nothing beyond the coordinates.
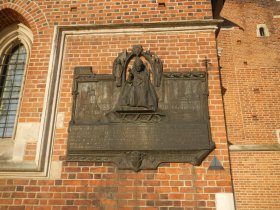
(5, 59)
(12, 149)
(266, 31)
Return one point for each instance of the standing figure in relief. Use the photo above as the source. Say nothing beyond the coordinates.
(138, 93)
(118, 71)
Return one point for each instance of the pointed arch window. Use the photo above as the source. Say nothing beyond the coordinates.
(11, 77)
(15, 47)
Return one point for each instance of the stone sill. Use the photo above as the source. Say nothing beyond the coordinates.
(24, 169)
(18, 166)
(260, 147)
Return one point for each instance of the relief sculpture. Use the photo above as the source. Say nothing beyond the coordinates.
(139, 116)
(138, 100)
(138, 93)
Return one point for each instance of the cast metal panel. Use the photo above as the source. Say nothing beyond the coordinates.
(138, 124)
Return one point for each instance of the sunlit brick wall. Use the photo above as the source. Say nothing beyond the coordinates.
(250, 78)
(102, 186)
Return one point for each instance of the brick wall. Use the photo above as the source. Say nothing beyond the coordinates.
(42, 16)
(102, 186)
(250, 78)
(171, 185)
(256, 179)
(250, 73)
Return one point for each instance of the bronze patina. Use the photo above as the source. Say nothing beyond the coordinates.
(139, 117)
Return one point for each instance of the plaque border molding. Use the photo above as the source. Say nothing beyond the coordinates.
(41, 167)
(137, 160)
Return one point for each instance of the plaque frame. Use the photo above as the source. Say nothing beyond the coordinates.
(134, 158)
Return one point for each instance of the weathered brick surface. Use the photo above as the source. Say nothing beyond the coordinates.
(179, 51)
(250, 76)
(102, 186)
(9, 16)
(172, 185)
(256, 179)
(250, 72)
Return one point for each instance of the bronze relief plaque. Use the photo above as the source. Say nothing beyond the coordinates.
(139, 117)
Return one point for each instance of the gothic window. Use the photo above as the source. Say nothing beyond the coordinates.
(11, 76)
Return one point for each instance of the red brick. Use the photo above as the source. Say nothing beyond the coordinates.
(180, 51)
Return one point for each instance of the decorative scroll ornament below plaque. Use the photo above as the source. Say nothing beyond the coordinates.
(139, 117)
(135, 158)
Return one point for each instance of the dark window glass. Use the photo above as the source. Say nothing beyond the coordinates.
(262, 33)
(10, 86)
